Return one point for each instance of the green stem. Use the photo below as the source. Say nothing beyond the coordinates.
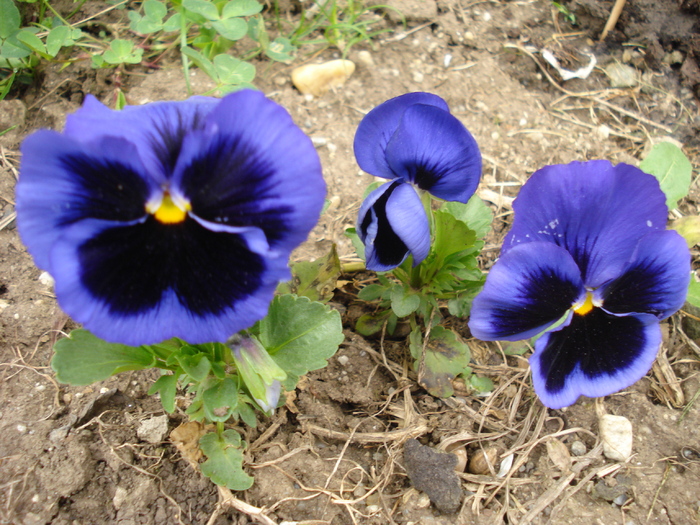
(183, 45)
(352, 267)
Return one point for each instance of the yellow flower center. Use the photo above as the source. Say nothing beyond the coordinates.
(586, 306)
(169, 212)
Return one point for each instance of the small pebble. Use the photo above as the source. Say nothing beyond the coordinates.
(21, 428)
(616, 434)
(343, 360)
(578, 448)
(317, 79)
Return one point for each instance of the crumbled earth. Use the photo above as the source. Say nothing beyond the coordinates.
(335, 453)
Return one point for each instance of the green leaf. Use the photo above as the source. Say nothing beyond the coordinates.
(13, 48)
(241, 8)
(230, 70)
(221, 400)
(32, 41)
(172, 23)
(203, 8)
(166, 385)
(693, 292)
(672, 168)
(351, 233)
(10, 19)
(370, 324)
(196, 366)
(82, 358)
(300, 335)
(232, 28)
(155, 10)
(200, 61)
(224, 464)
(122, 52)
(58, 37)
(475, 214)
(689, 228)
(403, 303)
(315, 279)
(446, 357)
(280, 49)
(481, 384)
(371, 292)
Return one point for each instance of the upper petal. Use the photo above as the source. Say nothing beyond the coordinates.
(527, 290)
(156, 129)
(392, 223)
(597, 354)
(656, 281)
(63, 181)
(597, 211)
(378, 126)
(434, 150)
(251, 165)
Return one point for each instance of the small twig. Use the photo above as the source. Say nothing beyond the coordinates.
(612, 20)
(371, 437)
(229, 500)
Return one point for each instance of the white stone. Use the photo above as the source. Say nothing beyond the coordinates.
(153, 430)
(616, 434)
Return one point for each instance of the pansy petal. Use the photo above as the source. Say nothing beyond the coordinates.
(433, 149)
(251, 165)
(148, 282)
(527, 290)
(157, 129)
(656, 282)
(595, 210)
(63, 181)
(597, 354)
(378, 126)
(392, 223)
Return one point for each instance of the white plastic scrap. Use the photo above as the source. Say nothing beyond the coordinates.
(565, 73)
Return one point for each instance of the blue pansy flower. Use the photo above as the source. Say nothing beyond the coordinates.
(414, 141)
(172, 219)
(588, 248)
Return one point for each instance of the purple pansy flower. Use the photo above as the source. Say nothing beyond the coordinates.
(172, 219)
(413, 140)
(589, 248)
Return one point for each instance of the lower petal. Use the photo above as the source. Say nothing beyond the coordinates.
(595, 355)
(148, 282)
(527, 290)
(392, 224)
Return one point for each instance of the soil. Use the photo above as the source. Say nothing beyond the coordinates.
(335, 453)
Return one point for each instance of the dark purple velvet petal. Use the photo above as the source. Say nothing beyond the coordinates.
(433, 149)
(147, 282)
(392, 223)
(63, 181)
(597, 354)
(597, 211)
(156, 129)
(526, 291)
(378, 126)
(252, 166)
(656, 282)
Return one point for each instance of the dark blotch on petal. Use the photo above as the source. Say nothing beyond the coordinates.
(131, 267)
(390, 249)
(167, 142)
(230, 184)
(112, 191)
(601, 343)
(542, 299)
